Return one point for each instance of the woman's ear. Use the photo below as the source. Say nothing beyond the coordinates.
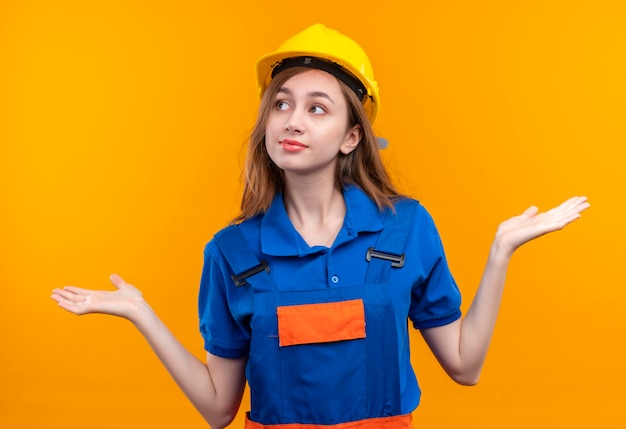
(352, 140)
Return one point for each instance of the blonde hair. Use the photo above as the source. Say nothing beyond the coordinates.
(362, 167)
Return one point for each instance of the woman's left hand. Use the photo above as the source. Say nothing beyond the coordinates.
(531, 224)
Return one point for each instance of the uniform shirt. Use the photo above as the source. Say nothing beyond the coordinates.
(424, 290)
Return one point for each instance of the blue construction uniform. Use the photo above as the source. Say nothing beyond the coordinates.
(383, 269)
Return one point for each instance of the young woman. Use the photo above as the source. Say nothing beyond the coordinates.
(307, 295)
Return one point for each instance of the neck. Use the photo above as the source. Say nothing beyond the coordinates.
(316, 209)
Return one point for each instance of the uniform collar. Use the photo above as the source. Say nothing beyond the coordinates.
(280, 238)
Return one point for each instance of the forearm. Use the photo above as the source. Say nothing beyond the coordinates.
(479, 322)
(461, 346)
(190, 373)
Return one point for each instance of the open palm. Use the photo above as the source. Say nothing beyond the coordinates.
(531, 224)
(121, 302)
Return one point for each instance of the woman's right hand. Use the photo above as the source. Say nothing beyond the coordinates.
(124, 302)
(214, 387)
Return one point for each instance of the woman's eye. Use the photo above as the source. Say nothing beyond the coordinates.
(281, 105)
(318, 110)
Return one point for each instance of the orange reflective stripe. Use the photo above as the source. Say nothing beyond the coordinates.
(321, 323)
(394, 422)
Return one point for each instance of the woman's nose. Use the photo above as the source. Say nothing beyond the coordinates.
(294, 123)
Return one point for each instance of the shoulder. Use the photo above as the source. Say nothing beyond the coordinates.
(405, 202)
(413, 214)
(404, 206)
(234, 235)
(419, 209)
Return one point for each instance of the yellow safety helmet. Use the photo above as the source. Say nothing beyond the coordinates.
(323, 48)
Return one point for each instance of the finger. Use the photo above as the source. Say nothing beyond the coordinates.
(575, 202)
(57, 297)
(77, 290)
(572, 205)
(575, 206)
(69, 294)
(582, 204)
(72, 307)
(73, 304)
(561, 216)
(530, 211)
(117, 281)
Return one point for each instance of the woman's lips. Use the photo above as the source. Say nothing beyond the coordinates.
(292, 145)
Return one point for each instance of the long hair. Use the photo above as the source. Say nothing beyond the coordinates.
(362, 167)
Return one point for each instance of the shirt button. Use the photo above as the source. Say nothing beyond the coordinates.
(334, 279)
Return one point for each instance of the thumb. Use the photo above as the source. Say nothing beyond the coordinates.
(530, 211)
(117, 281)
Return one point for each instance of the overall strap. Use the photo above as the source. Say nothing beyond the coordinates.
(242, 259)
(389, 251)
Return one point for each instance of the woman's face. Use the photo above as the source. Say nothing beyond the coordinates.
(308, 126)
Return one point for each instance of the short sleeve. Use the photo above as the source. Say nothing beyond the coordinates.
(222, 308)
(435, 298)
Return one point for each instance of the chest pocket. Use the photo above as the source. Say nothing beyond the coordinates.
(320, 323)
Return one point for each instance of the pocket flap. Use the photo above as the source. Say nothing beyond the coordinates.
(321, 323)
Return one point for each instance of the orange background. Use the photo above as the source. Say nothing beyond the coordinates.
(121, 132)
